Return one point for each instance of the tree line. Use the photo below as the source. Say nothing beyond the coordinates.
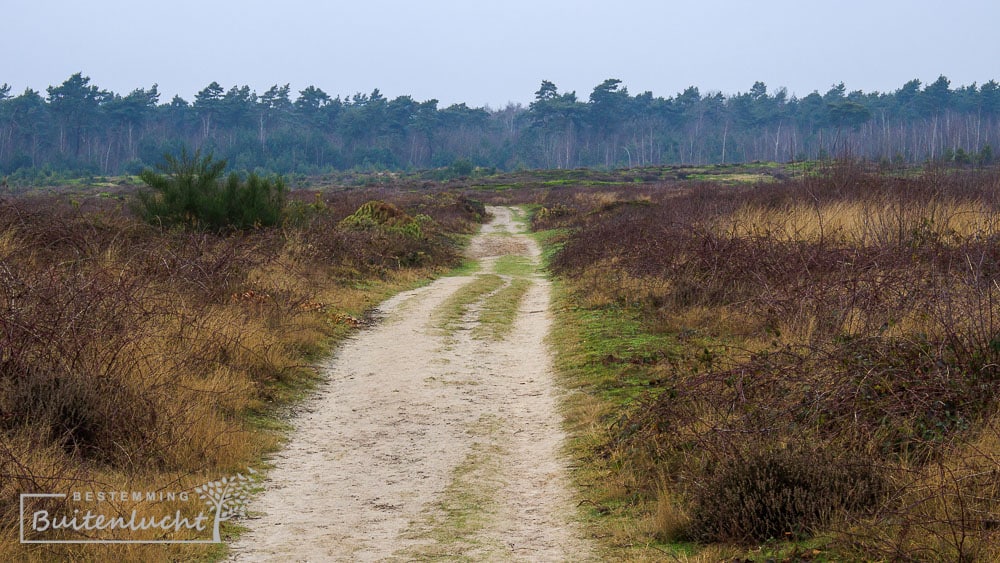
(79, 128)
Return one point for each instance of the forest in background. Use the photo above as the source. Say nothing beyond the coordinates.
(79, 129)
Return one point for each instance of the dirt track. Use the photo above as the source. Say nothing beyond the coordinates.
(426, 444)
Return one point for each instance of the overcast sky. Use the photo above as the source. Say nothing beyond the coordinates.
(494, 52)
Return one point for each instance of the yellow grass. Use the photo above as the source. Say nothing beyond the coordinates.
(598, 198)
(953, 505)
(863, 222)
(950, 503)
(8, 242)
(210, 373)
(671, 520)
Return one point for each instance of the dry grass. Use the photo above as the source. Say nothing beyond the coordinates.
(827, 363)
(133, 358)
(877, 220)
(671, 521)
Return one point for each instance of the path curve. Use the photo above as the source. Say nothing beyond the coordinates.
(427, 444)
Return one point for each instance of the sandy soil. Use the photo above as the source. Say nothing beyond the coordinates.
(425, 444)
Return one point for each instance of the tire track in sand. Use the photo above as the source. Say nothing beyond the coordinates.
(426, 445)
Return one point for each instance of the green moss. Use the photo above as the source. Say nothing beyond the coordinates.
(467, 267)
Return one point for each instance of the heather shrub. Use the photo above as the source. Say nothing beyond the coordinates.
(96, 417)
(829, 348)
(779, 493)
(132, 354)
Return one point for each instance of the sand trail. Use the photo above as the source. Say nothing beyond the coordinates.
(427, 443)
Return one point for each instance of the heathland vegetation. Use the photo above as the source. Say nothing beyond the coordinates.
(77, 129)
(795, 369)
(786, 362)
(156, 354)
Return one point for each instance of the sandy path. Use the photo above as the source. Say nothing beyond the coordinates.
(426, 444)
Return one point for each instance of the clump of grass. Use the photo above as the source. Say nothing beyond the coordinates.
(382, 216)
(671, 521)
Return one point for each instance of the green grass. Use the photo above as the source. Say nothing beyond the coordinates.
(733, 178)
(608, 358)
(513, 265)
(550, 241)
(468, 267)
(496, 319)
(495, 187)
(613, 352)
(572, 182)
(450, 313)
(582, 339)
(520, 215)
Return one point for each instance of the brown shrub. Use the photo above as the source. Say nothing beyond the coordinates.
(781, 493)
(835, 333)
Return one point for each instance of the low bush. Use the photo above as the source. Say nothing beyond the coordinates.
(781, 493)
(134, 354)
(832, 340)
(189, 191)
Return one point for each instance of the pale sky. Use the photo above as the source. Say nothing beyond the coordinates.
(491, 53)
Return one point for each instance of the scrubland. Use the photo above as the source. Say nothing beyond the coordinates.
(792, 365)
(791, 370)
(134, 357)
